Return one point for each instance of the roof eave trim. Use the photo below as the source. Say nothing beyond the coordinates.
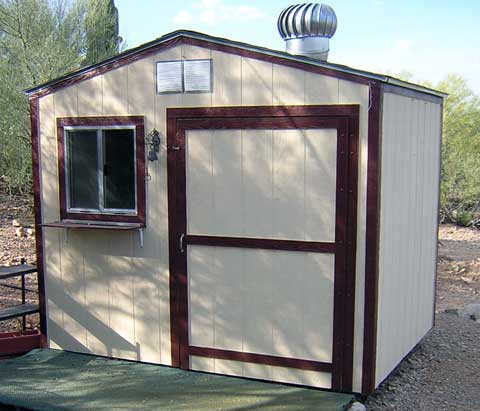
(230, 43)
(123, 55)
(405, 84)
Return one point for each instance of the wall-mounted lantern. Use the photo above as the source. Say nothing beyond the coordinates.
(153, 142)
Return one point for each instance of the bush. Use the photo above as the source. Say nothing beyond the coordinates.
(460, 189)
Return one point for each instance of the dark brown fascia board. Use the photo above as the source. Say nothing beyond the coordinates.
(226, 45)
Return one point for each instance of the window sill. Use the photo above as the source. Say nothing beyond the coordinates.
(95, 225)
(68, 224)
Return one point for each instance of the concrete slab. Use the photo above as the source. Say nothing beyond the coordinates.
(58, 380)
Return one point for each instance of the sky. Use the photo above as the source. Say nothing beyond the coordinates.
(429, 39)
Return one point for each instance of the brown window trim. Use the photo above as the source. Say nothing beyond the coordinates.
(138, 122)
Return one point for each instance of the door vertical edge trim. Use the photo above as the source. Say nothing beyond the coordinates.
(172, 235)
(182, 277)
(339, 281)
(352, 210)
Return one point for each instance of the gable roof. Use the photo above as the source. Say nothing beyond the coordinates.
(216, 43)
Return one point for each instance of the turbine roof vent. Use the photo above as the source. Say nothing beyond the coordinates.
(307, 28)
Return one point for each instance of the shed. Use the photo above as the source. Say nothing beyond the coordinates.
(217, 206)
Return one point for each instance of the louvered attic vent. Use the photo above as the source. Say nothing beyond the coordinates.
(184, 76)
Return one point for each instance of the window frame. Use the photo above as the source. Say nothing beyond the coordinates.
(98, 124)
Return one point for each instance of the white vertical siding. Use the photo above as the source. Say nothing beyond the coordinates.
(261, 301)
(86, 299)
(268, 302)
(262, 183)
(408, 226)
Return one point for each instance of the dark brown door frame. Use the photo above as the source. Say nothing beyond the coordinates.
(342, 117)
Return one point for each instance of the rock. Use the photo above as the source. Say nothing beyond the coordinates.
(357, 406)
(451, 311)
(20, 232)
(16, 223)
(30, 232)
(470, 311)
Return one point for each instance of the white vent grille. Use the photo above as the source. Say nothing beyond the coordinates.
(169, 77)
(197, 75)
(184, 76)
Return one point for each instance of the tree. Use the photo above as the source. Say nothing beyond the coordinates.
(101, 27)
(460, 194)
(41, 40)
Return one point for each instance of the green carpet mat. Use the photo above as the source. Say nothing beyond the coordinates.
(51, 380)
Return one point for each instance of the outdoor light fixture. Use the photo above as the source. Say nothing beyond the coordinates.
(153, 141)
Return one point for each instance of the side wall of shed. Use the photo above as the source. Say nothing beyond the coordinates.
(107, 295)
(410, 164)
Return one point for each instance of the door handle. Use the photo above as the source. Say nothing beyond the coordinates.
(182, 250)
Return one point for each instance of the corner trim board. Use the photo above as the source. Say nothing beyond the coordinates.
(37, 201)
(372, 239)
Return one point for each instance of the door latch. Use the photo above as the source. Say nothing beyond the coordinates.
(182, 250)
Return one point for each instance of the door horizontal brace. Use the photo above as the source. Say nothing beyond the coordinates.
(263, 359)
(264, 243)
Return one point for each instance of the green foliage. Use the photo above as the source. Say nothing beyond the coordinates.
(460, 194)
(101, 28)
(41, 40)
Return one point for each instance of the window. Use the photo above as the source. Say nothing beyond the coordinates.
(102, 168)
(184, 76)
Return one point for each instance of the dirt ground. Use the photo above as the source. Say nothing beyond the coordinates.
(429, 379)
(458, 276)
(12, 250)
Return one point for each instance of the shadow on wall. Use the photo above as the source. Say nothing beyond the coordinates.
(109, 296)
(111, 306)
(101, 331)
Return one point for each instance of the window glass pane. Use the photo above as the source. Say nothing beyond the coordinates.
(169, 77)
(82, 160)
(119, 169)
(198, 75)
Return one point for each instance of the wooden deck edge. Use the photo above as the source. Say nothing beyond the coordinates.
(19, 343)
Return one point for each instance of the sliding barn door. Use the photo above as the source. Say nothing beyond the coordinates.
(259, 242)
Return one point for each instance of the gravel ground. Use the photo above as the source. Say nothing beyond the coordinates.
(443, 372)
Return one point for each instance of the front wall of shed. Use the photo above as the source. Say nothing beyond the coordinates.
(408, 226)
(106, 294)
